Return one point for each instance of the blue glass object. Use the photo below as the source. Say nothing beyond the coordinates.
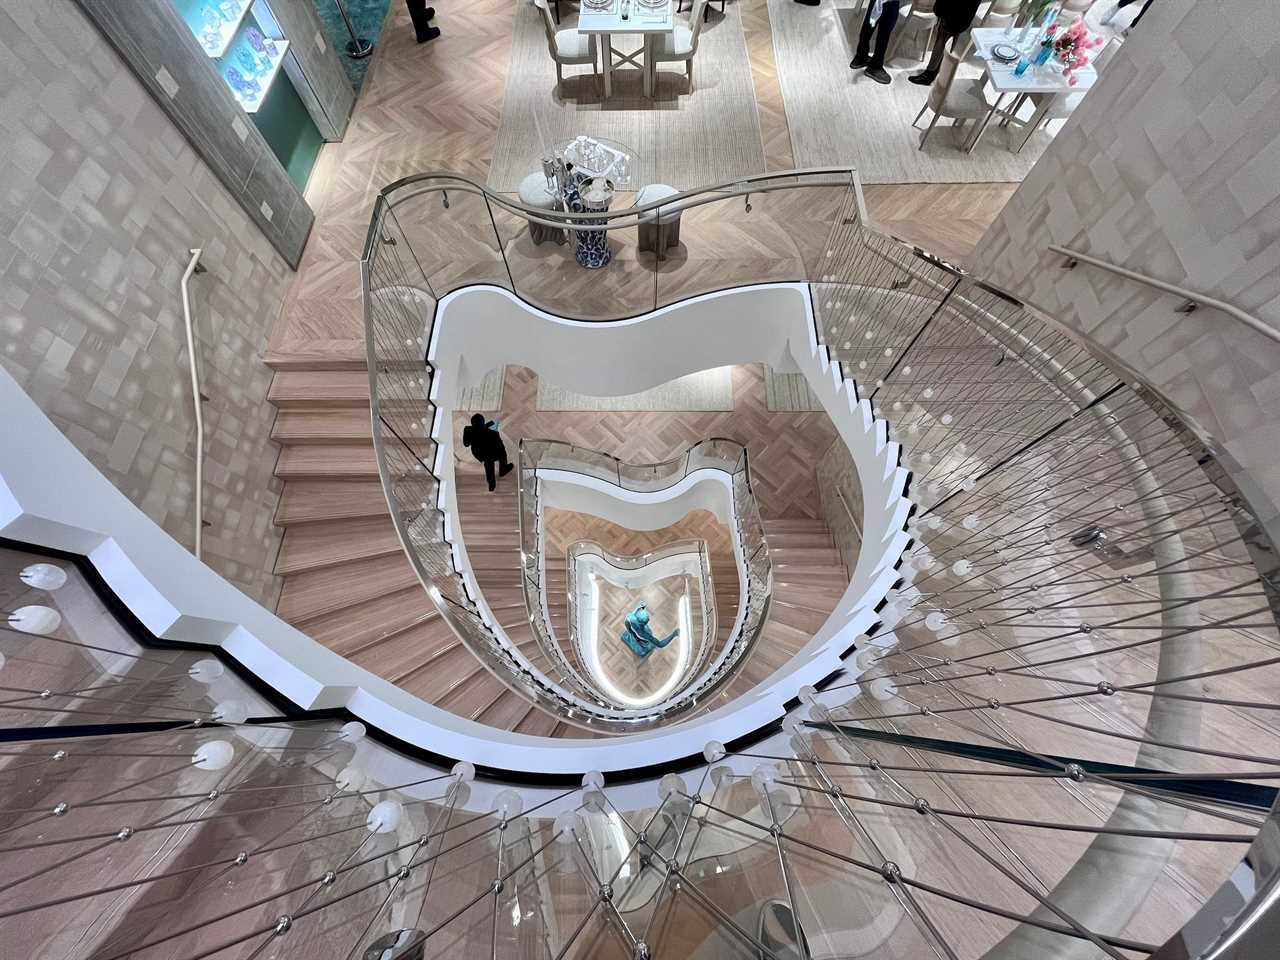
(637, 635)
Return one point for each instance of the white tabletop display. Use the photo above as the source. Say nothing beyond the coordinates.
(1048, 78)
(646, 17)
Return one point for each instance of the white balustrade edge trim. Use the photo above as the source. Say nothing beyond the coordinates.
(51, 495)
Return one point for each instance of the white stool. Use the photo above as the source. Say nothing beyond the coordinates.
(658, 233)
(534, 192)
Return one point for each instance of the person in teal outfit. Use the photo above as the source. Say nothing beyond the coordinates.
(637, 635)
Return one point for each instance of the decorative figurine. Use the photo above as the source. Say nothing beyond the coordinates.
(637, 635)
(246, 88)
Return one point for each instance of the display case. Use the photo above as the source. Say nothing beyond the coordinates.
(245, 41)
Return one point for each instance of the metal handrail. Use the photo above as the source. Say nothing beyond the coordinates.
(758, 576)
(197, 398)
(1193, 299)
(677, 202)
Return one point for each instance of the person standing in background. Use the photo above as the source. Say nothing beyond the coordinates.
(882, 17)
(954, 18)
(1106, 21)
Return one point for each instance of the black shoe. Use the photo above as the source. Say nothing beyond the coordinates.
(924, 79)
(858, 62)
(505, 469)
(879, 75)
(429, 13)
(809, 3)
(428, 34)
(492, 488)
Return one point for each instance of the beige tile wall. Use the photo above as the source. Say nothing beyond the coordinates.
(100, 199)
(1171, 166)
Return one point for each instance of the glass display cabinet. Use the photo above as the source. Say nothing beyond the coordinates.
(245, 42)
(244, 39)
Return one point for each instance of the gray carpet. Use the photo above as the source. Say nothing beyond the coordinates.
(788, 392)
(682, 139)
(702, 391)
(840, 116)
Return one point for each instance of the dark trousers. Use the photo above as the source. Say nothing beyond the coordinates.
(490, 466)
(941, 37)
(883, 30)
(1141, 13)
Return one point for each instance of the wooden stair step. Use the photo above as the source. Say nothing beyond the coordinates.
(404, 651)
(314, 593)
(812, 597)
(319, 355)
(312, 501)
(821, 556)
(802, 618)
(434, 682)
(291, 389)
(313, 546)
(795, 525)
(506, 712)
(473, 697)
(327, 461)
(341, 425)
(537, 723)
(351, 628)
(783, 637)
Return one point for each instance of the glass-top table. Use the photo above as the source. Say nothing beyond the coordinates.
(594, 157)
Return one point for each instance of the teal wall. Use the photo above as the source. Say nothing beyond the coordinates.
(289, 130)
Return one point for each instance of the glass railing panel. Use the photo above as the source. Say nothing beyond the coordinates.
(777, 229)
(555, 267)
(450, 233)
(652, 476)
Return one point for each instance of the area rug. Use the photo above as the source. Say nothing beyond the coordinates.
(788, 393)
(840, 116)
(702, 391)
(367, 17)
(679, 138)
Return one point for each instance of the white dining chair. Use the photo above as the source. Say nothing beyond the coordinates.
(958, 99)
(681, 43)
(919, 17)
(567, 47)
(1061, 105)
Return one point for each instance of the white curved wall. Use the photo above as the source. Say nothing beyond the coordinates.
(51, 495)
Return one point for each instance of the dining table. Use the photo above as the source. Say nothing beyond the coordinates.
(1046, 80)
(646, 18)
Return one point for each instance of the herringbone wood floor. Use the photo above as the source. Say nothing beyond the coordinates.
(436, 107)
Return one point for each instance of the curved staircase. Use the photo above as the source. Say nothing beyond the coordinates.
(348, 585)
(346, 580)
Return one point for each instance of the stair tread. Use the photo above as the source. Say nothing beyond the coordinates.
(537, 723)
(314, 593)
(359, 624)
(340, 425)
(406, 650)
(320, 388)
(312, 546)
(454, 669)
(506, 712)
(310, 501)
(332, 460)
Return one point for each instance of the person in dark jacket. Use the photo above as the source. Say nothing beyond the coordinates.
(487, 447)
(954, 18)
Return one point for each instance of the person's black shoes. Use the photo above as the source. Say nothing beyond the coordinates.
(809, 3)
(428, 34)
(505, 469)
(858, 62)
(879, 75)
(925, 78)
